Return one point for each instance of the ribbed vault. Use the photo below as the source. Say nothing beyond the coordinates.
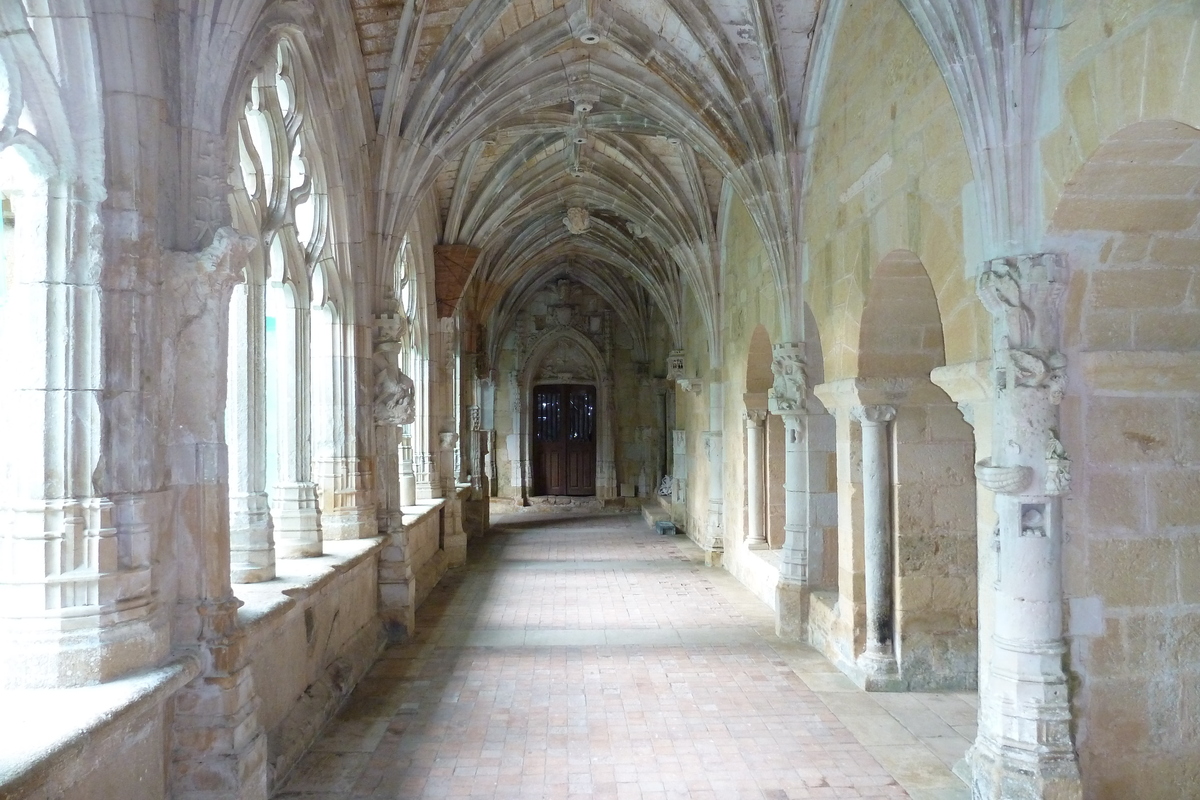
(635, 116)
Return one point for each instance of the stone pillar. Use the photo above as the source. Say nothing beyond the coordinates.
(294, 506)
(879, 657)
(1024, 749)
(219, 748)
(787, 398)
(448, 440)
(756, 532)
(408, 475)
(251, 534)
(714, 448)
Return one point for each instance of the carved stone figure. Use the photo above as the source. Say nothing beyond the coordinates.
(395, 393)
(577, 220)
(1058, 467)
(791, 384)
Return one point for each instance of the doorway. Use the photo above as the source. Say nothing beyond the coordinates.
(564, 440)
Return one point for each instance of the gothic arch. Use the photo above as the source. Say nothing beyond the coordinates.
(606, 477)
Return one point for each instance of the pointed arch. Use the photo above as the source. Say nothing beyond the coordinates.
(606, 478)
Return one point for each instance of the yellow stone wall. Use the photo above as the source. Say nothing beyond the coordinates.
(1121, 183)
(886, 102)
(750, 299)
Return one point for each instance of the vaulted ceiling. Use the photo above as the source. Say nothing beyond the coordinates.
(642, 113)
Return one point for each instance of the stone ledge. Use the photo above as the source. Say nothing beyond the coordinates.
(756, 569)
(416, 514)
(298, 578)
(46, 730)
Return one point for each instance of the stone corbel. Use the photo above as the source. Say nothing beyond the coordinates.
(789, 393)
(675, 366)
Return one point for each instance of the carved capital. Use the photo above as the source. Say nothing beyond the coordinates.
(790, 389)
(754, 417)
(874, 415)
(1024, 296)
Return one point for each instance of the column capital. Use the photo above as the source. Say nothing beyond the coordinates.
(1024, 296)
(874, 414)
(754, 417)
(789, 393)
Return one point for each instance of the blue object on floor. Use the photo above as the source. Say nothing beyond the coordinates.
(665, 526)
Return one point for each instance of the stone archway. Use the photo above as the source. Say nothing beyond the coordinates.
(928, 578)
(562, 356)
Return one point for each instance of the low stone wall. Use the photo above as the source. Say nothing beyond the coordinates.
(757, 570)
(92, 742)
(312, 634)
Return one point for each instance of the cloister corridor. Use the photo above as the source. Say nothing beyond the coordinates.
(586, 656)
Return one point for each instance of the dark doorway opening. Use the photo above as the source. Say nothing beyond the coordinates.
(564, 440)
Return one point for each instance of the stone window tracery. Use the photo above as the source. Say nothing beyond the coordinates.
(284, 341)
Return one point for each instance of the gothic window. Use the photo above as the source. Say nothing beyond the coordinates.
(283, 340)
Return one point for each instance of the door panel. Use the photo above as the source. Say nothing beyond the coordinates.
(564, 440)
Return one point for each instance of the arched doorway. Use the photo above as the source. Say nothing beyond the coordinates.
(567, 424)
(564, 439)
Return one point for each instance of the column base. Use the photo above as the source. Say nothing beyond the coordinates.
(1007, 773)
(297, 520)
(712, 558)
(791, 610)
(880, 673)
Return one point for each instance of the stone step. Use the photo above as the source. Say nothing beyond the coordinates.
(653, 513)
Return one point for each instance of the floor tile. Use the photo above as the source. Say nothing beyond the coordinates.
(587, 657)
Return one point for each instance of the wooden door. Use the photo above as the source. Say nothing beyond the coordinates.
(564, 440)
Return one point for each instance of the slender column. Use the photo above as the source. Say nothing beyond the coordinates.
(1024, 747)
(251, 535)
(342, 474)
(448, 440)
(756, 535)
(879, 657)
(294, 506)
(788, 399)
(714, 447)
(408, 476)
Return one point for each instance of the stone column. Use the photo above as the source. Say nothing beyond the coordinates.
(756, 533)
(447, 441)
(714, 448)
(408, 475)
(294, 506)
(1024, 747)
(787, 399)
(878, 658)
(251, 535)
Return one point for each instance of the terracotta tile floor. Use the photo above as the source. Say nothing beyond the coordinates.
(587, 657)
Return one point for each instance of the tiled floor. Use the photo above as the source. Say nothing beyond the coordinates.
(587, 657)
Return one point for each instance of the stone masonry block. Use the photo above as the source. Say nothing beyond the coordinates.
(1134, 573)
